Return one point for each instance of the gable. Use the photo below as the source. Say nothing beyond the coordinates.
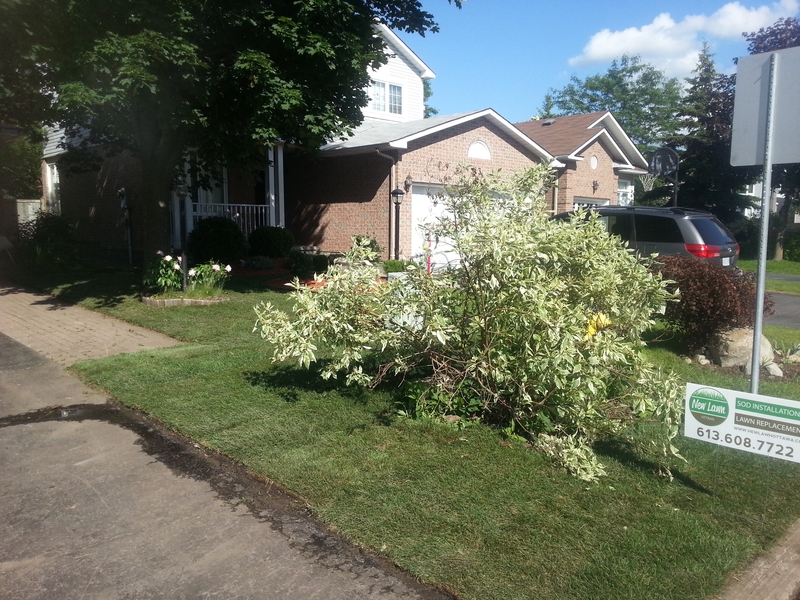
(400, 78)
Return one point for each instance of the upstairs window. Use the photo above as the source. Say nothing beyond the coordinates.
(378, 100)
(378, 96)
(395, 100)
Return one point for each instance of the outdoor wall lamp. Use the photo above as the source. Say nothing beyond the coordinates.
(397, 198)
(595, 185)
(408, 182)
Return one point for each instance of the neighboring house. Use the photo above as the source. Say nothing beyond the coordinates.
(596, 160)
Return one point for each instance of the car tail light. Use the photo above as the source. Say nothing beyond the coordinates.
(737, 249)
(703, 250)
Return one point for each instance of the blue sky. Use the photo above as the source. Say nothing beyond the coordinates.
(506, 54)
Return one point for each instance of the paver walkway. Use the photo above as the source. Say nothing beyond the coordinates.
(67, 334)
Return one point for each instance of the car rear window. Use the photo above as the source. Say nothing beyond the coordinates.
(713, 232)
(655, 229)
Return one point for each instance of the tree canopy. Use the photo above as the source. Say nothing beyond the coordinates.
(642, 99)
(224, 79)
(707, 179)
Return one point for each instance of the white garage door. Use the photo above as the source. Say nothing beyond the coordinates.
(426, 211)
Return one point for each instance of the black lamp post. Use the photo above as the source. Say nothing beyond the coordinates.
(397, 198)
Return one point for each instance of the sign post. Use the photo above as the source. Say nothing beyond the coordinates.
(766, 126)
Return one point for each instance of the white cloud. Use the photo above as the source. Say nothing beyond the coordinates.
(673, 45)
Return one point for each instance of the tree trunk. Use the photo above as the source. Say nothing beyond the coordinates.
(159, 148)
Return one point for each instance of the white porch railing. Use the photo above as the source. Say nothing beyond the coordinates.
(247, 216)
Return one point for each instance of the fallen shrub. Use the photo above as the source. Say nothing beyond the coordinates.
(536, 330)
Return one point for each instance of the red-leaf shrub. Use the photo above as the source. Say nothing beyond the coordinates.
(712, 298)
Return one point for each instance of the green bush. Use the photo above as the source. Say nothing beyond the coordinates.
(791, 245)
(303, 264)
(537, 331)
(395, 266)
(369, 242)
(47, 242)
(216, 239)
(272, 242)
(711, 299)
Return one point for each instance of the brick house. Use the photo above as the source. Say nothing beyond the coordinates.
(345, 189)
(595, 159)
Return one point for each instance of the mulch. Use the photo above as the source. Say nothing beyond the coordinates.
(275, 278)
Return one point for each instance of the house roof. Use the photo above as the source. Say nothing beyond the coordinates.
(373, 134)
(567, 137)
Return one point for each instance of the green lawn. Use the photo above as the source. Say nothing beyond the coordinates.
(465, 509)
(781, 267)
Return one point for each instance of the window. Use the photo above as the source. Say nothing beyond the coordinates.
(624, 192)
(378, 100)
(479, 150)
(660, 230)
(378, 96)
(395, 100)
(53, 189)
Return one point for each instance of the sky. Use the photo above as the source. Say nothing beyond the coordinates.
(506, 54)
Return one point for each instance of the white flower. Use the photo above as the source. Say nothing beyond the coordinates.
(177, 266)
(159, 253)
(228, 269)
(180, 258)
(168, 258)
(215, 267)
(192, 272)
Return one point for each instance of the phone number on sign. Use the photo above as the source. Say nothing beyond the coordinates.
(746, 442)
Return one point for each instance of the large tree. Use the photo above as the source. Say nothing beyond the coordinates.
(224, 79)
(642, 98)
(785, 33)
(707, 179)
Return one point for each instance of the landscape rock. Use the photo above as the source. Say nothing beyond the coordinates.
(734, 348)
(773, 370)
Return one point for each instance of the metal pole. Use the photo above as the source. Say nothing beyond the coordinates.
(755, 365)
(396, 230)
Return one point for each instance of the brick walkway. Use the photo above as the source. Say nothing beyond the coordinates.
(67, 334)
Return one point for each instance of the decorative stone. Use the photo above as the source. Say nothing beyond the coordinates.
(162, 302)
(734, 348)
(792, 358)
(773, 370)
(701, 360)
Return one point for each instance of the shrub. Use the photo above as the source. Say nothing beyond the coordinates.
(272, 242)
(164, 274)
(536, 330)
(303, 264)
(712, 299)
(47, 242)
(395, 266)
(791, 245)
(367, 241)
(216, 239)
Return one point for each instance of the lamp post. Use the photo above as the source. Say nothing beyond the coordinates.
(397, 198)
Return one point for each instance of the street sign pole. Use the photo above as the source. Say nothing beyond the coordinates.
(755, 366)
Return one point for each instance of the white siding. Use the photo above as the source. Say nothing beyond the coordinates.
(398, 71)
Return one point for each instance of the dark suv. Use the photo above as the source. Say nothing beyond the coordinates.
(670, 231)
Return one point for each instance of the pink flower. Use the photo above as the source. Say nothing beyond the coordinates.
(215, 267)
(228, 269)
(159, 253)
(177, 266)
(192, 272)
(180, 258)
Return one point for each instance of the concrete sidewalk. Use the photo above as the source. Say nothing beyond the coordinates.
(98, 502)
